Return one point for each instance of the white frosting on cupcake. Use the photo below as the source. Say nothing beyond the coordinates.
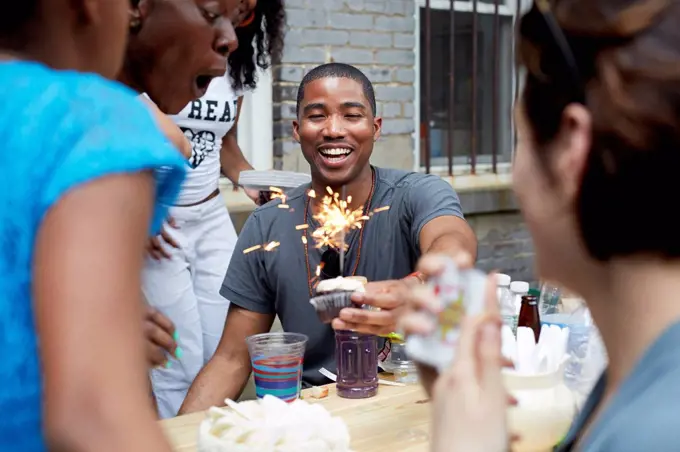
(274, 426)
(348, 284)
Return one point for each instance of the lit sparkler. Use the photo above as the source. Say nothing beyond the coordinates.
(336, 219)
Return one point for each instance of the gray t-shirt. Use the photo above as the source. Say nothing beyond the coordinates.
(276, 282)
(644, 414)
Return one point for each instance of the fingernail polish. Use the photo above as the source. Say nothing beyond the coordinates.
(178, 352)
(168, 364)
(175, 336)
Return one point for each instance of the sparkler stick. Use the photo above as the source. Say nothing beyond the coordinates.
(343, 233)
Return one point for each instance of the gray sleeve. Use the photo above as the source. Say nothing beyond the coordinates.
(430, 197)
(246, 283)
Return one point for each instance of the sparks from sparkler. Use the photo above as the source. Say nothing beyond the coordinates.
(336, 219)
(266, 247)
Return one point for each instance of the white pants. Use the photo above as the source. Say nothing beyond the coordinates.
(186, 289)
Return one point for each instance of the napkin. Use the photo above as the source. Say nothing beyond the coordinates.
(530, 357)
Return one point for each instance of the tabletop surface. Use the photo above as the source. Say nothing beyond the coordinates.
(397, 419)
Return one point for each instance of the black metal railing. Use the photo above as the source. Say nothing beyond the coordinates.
(468, 83)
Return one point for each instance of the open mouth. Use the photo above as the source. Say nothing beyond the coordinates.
(335, 155)
(202, 82)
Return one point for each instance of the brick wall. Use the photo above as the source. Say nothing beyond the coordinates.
(378, 36)
(504, 244)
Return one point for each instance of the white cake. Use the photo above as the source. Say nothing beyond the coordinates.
(347, 283)
(273, 426)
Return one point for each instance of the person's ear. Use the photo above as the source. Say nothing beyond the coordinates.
(138, 14)
(377, 128)
(572, 149)
(296, 130)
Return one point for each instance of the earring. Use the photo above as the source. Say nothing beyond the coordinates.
(248, 20)
(135, 21)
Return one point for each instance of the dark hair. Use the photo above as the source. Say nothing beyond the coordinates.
(628, 56)
(15, 17)
(260, 43)
(337, 70)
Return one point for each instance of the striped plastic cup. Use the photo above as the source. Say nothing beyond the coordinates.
(277, 364)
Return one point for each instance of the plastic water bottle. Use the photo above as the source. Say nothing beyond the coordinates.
(518, 290)
(550, 300)
(506, 302)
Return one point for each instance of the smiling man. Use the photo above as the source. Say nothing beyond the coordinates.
(336, 127)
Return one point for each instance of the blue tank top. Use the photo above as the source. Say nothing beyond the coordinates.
(58, 130)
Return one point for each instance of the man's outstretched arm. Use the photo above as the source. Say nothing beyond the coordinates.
(227, 372)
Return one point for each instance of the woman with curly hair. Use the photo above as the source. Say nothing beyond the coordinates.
(187, 262)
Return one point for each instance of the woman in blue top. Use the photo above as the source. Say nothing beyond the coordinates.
(85, 173)
(595, 171)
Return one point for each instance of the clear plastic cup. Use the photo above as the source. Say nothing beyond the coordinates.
(277, 359)
(398, 364)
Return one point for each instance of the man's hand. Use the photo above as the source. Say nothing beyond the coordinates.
(387, 300)
(161, 338)
(155, 247)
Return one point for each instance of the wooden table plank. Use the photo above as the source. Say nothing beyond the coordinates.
(396, 419)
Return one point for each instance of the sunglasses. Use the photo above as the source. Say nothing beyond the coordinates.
(330, 264)
(560, 40)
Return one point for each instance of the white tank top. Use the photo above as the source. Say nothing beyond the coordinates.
(205, 122)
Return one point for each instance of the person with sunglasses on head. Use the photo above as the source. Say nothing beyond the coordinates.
(337, 127)
(598, 135)
(87, 174)
(183, 274)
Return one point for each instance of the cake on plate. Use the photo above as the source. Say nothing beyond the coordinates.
(272, 425)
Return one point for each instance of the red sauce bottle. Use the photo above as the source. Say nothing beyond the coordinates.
(528, 315)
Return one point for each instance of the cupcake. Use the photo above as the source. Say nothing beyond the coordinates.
(335, 294)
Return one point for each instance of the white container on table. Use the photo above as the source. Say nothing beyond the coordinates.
(544, 412)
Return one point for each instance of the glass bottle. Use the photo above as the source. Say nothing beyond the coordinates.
(528, 315)
(505, 302)
(356, 356)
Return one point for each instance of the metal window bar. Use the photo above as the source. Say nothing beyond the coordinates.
(495, 91)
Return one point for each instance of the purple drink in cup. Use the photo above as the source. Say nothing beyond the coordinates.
(356, 356)
(277, 360)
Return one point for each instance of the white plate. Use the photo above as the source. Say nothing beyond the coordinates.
(262, 180)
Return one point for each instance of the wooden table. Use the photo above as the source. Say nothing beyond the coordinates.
(397, 419)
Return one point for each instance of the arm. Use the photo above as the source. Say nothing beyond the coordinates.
(448, 235)
(251, 311)
(88, 310)
(232, 159)
(437, 222)
(227, 372)
(169, 129)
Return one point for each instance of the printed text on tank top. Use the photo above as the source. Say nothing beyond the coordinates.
(205, 122)
(204, 142)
